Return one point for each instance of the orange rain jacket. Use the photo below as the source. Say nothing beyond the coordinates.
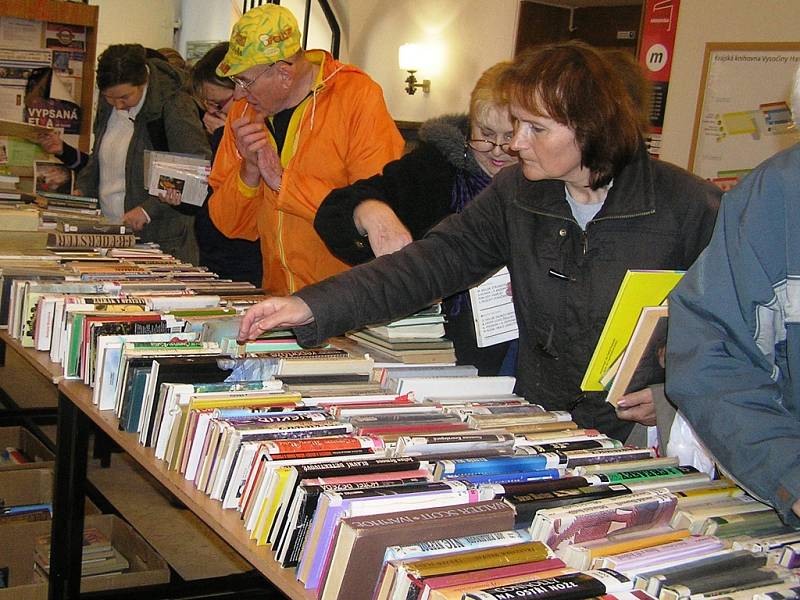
(345, 133)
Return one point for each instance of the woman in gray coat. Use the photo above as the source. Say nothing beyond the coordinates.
(142, 106)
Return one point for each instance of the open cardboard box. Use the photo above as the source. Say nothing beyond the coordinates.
(31, 446)
(31, 486)
(17, 543)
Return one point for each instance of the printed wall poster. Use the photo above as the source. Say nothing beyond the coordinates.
(743, 115)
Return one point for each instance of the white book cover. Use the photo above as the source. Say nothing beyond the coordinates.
(425, 387)
(493, 310)
(177, 392)
(190, 183)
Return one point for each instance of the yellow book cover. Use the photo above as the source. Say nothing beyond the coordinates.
(248, 401)
(479, 559)
(270, 508)
(618, 547)
(637, 290)
(707, 495)
(173, 453)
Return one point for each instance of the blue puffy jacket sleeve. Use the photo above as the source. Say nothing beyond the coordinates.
(733, 352)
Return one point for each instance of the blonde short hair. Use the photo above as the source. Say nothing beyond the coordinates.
(484, 96)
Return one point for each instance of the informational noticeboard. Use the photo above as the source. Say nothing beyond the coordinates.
(743, 111)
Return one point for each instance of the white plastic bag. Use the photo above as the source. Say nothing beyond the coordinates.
(684, 444)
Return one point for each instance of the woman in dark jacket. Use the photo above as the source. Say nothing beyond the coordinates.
(456, 158)
(585, 205)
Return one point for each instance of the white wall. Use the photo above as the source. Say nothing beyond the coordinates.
(146, 22)
(701, 21)
(206, 21)
(471, 34)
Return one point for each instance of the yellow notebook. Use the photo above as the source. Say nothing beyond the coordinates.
(638, 289)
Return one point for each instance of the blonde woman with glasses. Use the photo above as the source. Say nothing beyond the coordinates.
(456, 158)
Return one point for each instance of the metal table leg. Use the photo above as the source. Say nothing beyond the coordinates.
(68, 501)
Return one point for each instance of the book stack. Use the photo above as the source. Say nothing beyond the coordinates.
(639, 290)
(416, 339)
(99, 556)
(68, 205)
(16, 513)
(10, 193)
(20, 229)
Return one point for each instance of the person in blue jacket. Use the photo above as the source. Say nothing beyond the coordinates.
(733, 349)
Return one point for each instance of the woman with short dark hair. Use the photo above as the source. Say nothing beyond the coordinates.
(584, 205)
(142, 107)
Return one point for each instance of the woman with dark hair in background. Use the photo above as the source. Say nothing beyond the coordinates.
(142, 107)
(584, 205)
(235, 259)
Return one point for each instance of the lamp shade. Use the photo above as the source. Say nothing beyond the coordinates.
(410, 57)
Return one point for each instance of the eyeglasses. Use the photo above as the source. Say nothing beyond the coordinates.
(245, 85)
(487, 145)
(217, 107)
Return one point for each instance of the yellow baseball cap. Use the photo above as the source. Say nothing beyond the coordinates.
(263, 36)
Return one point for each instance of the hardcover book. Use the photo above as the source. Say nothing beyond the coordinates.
(637, 290)
(562, 587)
(561, 527)
(362, 541)
(639, 364)
(321, 541)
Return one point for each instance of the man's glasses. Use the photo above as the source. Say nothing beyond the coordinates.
(487, 145)
(246, 85)
(217, 107)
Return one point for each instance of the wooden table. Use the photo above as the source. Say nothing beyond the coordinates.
(31, 380)
(27, 376)
(75, 414)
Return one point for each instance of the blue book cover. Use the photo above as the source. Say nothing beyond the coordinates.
(500, 464)
(132, 399)
(517, 477)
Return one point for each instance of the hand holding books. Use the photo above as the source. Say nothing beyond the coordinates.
(171, 197)
(638, 406)
(177, 178)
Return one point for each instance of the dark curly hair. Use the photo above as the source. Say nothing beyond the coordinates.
(122, 63)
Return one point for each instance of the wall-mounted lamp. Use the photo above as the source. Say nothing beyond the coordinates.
(410, 57)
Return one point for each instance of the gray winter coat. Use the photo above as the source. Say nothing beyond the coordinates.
(168, 121)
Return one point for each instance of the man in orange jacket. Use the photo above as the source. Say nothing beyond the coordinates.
(302, 124)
